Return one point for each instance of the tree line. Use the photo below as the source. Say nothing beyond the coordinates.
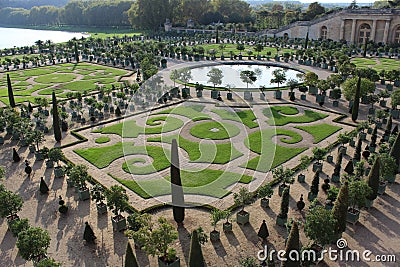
(143, 14)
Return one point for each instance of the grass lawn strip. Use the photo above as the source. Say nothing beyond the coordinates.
(102, 140)
(271, 154)
(320, 131)
(278, 117)
(102, 157)
(192, 112)
(214, 130)
(246, 117)
(201, 152)
(204, 182)
(129, 128)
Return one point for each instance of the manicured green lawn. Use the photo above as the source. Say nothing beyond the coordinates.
(102, 157)
(214, 130)
(201, 152)
(62, 76)
(271, 154)
(279, 115)
(129, 128)
(320, 131)
(55, 78)
(246, 117)
(377, 63)
(193, 112)
(204, 182)
(102, 140)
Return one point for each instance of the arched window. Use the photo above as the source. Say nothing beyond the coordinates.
(365, 33)
(324, 32)
(397, 35)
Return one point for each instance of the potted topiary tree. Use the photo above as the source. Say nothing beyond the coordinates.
(373, 181)
(56, 155)
(78, 174)
(97, 194)
(227, 225)
(281, 219)
(361, 127)
(33, 243)
(243, 198)
(117, 201)
(319, 227)
(343, 139)
(156, 239)
(303, 89)
(265, 192)
(304, 162)
(284, 175)
(62, 208)
(319, 154)
(216, 216)
(388, 167)
(358, 192)
(314, 187)
(10, 205)
(338, 166)
(17, 226)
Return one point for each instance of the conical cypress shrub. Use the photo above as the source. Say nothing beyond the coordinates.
(196, 258)
(338, 164)
(306, 42)
(356, 104)
(263, 232)
(76, 53)
(349, 167)
(374, 136)
(56, 119)
(373, 179)
(130, 259)
(43, 186)
(292, 244)
(395, 151)
(340, 208)
(88, 234)
(118, 112)
(10, 92)
(315, 184)
(16, 157)
(389, 124)
(284, 203)
(178, 200)
(357, 153)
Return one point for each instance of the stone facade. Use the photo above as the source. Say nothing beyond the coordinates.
(352, 25)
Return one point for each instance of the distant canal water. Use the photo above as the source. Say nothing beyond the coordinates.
(10, 37)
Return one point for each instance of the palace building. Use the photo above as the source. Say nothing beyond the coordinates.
(352, 25)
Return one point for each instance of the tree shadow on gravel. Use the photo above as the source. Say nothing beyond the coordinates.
(184, 239)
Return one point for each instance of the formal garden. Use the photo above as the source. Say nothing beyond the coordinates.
(98, 170)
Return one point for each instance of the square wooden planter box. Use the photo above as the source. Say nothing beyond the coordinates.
(352, 217)
(214, 236)
(242, 217)
(118, 223)
(176, 263)
(70, 183)
(58, 172)
(227, 227)
(368, 203)
(101, 208)
(382, 188)
(390, 178)
(264, 202)
(83, 194)
(317, 167)
(301, 178)
(329, 159)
